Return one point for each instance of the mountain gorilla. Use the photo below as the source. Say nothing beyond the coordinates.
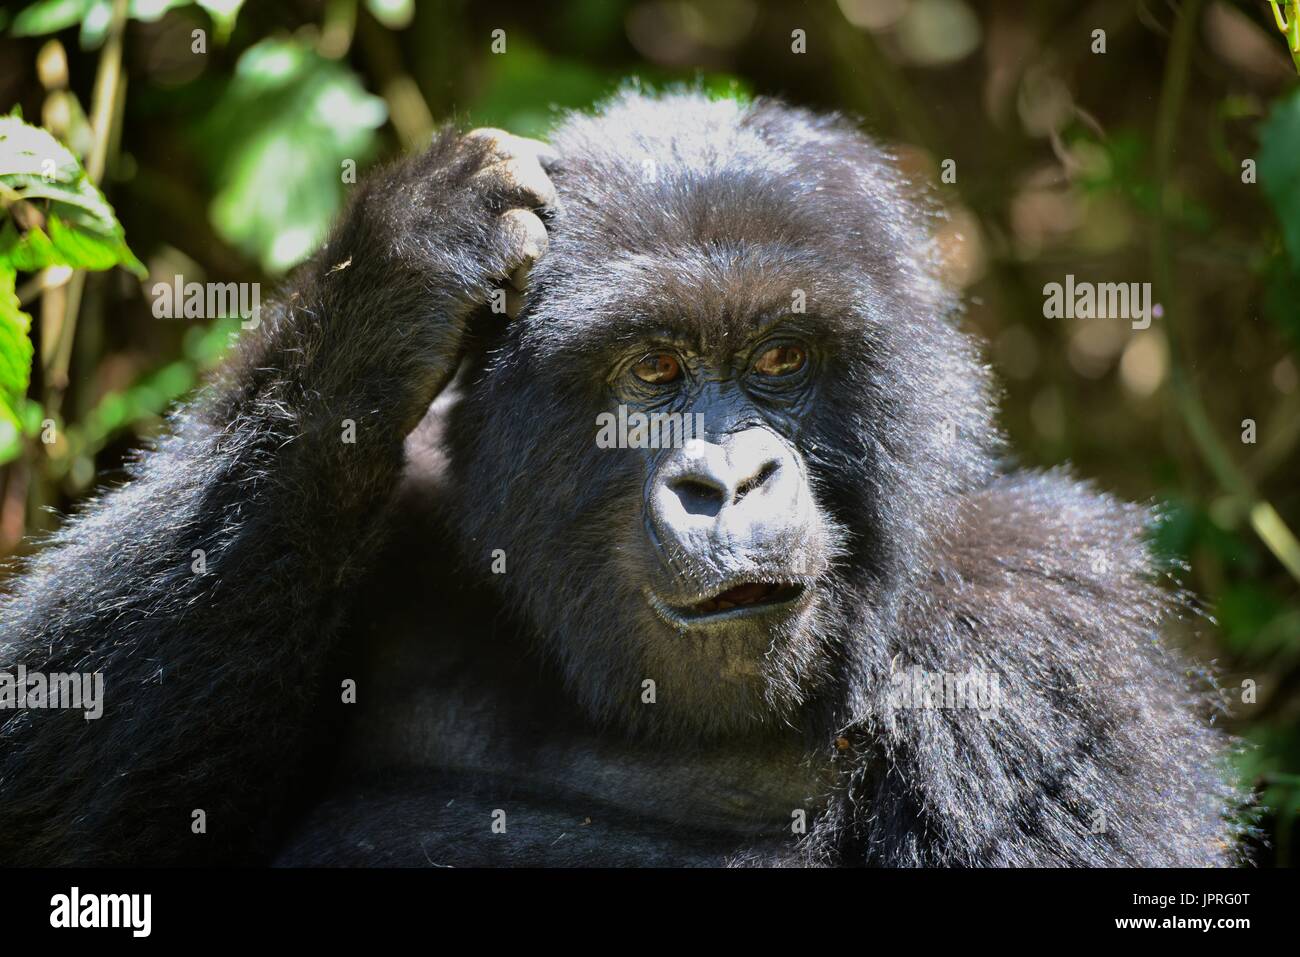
(465, 632)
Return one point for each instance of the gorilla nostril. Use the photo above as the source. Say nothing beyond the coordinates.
(769, 469)
(698, 497)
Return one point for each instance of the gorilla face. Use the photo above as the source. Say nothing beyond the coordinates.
(753, 272)
(734, 541)
(723, 535)
(704, 565)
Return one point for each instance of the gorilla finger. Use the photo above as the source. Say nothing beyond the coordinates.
(523, 237)
(509, 146)
(545, 154)
(493, 137)
(520, 177)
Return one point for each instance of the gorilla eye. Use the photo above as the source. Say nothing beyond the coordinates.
(781, 360)
(658, 369)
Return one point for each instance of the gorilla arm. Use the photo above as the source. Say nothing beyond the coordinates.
(207, 589)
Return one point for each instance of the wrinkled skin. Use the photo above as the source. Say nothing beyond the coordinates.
(687, 655)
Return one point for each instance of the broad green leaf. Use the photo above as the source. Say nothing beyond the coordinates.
(77, 228)
(275, 143)
(30, 252)
(81, 229)
(84, 249)
(59, 246)
(27, 150)
(94, 16)
(15, 364)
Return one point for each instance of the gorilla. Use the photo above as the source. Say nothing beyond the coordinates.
(379, 597)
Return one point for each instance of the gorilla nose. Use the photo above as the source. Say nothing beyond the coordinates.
(743, 495)
(707, 491)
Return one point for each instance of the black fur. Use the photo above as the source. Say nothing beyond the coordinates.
(522, 691)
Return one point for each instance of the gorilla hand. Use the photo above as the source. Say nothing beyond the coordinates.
(517, 173)
(420, 247)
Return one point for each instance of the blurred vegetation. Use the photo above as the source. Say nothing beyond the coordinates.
(222, 132)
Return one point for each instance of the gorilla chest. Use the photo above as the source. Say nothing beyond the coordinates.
(467, 724)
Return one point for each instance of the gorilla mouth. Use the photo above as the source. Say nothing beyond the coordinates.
(747, 595)
(741, 600)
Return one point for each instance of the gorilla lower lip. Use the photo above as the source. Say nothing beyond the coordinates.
(742, 599)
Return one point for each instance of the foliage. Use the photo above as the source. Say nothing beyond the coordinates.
(55, 217)
(274, 142)
(93, 16)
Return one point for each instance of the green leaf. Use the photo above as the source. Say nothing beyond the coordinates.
(77, 228)
(15, 364)
(50, 16)
(83, 249)
(81, 229)
(30, 252)
(1279, 169)
(275, 142)
(27, 150)
(94, 16)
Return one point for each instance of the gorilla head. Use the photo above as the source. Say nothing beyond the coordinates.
(763, 271)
